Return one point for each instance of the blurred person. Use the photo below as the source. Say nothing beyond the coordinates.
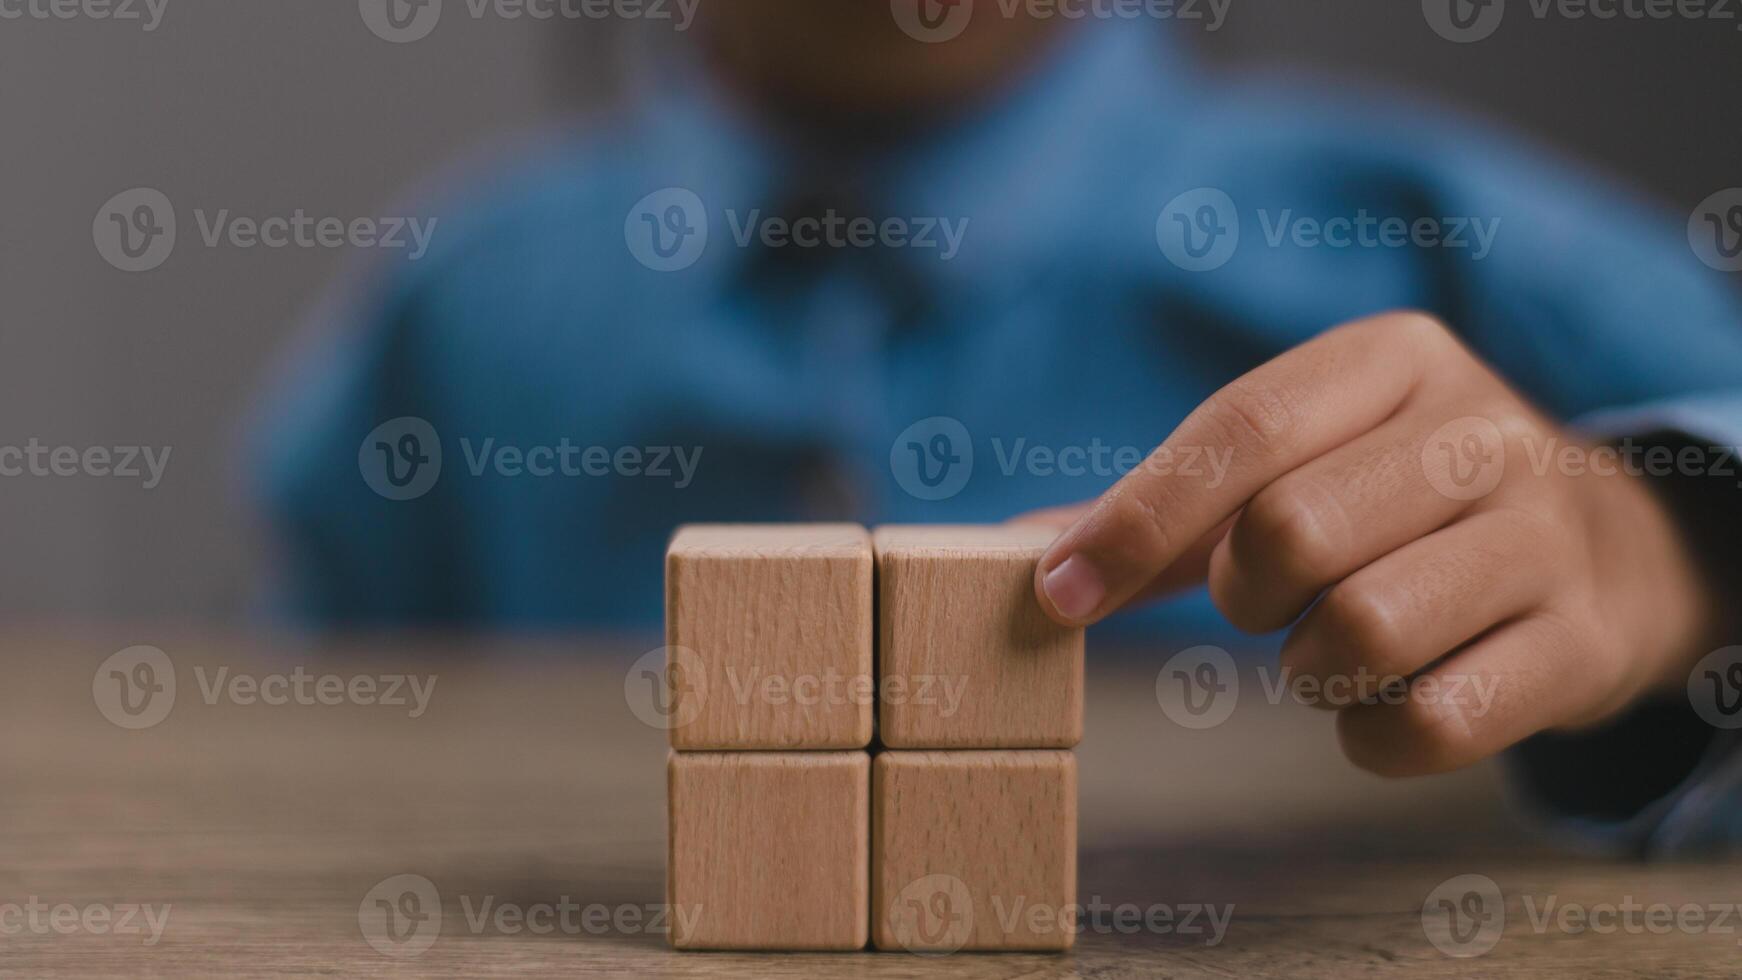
(666, 316)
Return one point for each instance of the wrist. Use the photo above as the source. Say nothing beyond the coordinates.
(1667, 591)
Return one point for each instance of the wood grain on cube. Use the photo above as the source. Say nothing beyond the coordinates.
(967, 658)
(768, 633)
(768, 850)
(974, 850)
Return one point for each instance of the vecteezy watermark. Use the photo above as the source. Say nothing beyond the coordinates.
(1715, 230)
(932, 915)
(1199, 687)
(1199, 231)
(1633, 458)
(1464, 21)
(1468, 21)
(667, 231)
(36, 917)
(932, 459)
(1466, 916)
(401, 917)
(935, 915)
(1465, 458)
(34, 459)
(401, 459)
(1715, 688)
(135, 231)
(935, 21)
(135, 688)
(404, 21)
(146, 13)
(667, 688)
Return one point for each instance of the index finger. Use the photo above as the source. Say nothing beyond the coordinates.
(1269, 421)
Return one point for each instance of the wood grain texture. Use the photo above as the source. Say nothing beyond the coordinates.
(974, 850)
(769, 632)
(966, 657)
(769, 850)
(529, 782)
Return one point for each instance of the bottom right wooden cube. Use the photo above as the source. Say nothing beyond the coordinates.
(974, 850)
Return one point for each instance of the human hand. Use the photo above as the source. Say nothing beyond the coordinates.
(1386, 483)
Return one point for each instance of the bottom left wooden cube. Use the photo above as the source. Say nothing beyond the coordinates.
(769, 850)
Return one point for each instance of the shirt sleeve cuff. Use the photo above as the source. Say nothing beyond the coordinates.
(1660, 781)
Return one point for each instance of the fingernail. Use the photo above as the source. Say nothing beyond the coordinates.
(1075, 588)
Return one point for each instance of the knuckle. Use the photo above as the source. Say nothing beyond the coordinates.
(1296, 531)
(1137, 524)
(1362, 625)
(1253, 417)
(1531, 531)
(1236, 598)
(1411, 328)
(1518, 428)
(1421, 326)
(1436, 732)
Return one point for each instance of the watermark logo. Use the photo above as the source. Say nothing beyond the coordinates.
(933, 458)
(404, 21)
(134, 231)
(401, 916)
(932, 21)
(135, 688)
(1465, 458)
(1198, 687)
(1464, 916)
(667, 230)
(571, 460)
(401, 21)
(1199, 230)
(932, 915)
(401, 459)
(666, 688)
(832, 229)
(37, 459)
(1715, 688)
(147, 13)
(935, 21)
(1468, 21)
(1464, 21)
(39, 918)
(1715, 230)
(1633, 458)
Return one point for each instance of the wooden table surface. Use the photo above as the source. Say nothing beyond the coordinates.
(257, 834)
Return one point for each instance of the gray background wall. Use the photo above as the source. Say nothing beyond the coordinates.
(264, 107)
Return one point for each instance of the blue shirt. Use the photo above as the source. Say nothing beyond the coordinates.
(620, 330)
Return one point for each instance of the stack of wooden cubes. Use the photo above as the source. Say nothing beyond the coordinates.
(797, 824)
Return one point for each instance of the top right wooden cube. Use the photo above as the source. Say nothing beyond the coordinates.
(966, 657)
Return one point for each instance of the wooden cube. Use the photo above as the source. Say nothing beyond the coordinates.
(974, 850)
(769, 850)
(967, 658)
(768, 635)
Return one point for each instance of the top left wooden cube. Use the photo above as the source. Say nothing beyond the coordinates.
(768, 636)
